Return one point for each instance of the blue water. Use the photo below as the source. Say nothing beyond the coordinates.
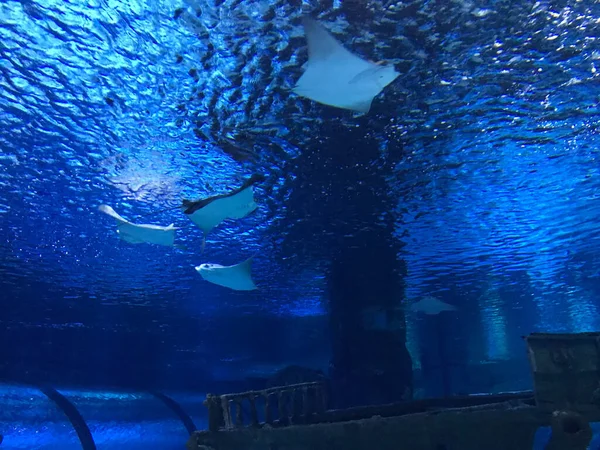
(543, 434)
(116, 419)
(480, 162)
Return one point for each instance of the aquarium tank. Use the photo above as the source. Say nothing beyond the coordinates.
(216, 196)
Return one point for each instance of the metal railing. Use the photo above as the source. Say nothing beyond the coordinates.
(293, 404)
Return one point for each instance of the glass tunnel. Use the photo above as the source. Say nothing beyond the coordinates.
(45, 417)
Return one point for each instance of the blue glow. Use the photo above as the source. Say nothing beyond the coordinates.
(412, 341)
(116, 419)
(583, 311)
(29, 420)
(486, 148)
(494, 325)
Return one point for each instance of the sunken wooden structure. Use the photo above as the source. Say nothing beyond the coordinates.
(566, 369)
(296, 404)
(565, 400)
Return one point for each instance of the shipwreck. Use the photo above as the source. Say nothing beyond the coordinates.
(557, 415)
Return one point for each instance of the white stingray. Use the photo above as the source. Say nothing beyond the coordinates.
(138, 234)
(236, 206)
(335, 77)
(431, 306)
(238, 277)
(209, 212)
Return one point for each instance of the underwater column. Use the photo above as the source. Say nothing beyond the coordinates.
(370, 363)
(339, 211)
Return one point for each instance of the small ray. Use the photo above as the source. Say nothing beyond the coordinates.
(207, 213)
(141, 233)
(431, 306)
(238, 277)
(335, 77)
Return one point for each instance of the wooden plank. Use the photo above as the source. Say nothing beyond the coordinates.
(566, 370)
(493, 427)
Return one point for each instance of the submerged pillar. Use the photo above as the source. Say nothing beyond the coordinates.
(339, 210)
(370, 363)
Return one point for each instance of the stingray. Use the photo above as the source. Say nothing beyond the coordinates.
(431, 306)
(238, 277)
(334, 76)
(209, 212)
(138, 234)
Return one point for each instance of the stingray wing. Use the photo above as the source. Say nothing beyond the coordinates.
(111, 212)
(242, 273)
(130, 239)
(209, 212)
(191, 206)
(151, 227)
(215, 212)
(237, 277)
(240, 205)
(448, 307)
(333, 74)
(141, 233)
(324, 49)
(149, 234)
(433, 306)
(415, 306)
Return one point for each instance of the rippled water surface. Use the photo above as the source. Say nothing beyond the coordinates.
(487, 146)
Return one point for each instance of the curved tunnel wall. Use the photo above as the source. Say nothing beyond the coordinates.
(72, 419)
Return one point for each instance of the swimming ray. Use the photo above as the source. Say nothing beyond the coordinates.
(431, 306)
(237, 277)
(336, 77)
(141, 233)
(207, 213)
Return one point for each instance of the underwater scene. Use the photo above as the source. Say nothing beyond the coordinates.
(299, 224)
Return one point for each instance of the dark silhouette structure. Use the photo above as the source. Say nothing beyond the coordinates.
(343, 204)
